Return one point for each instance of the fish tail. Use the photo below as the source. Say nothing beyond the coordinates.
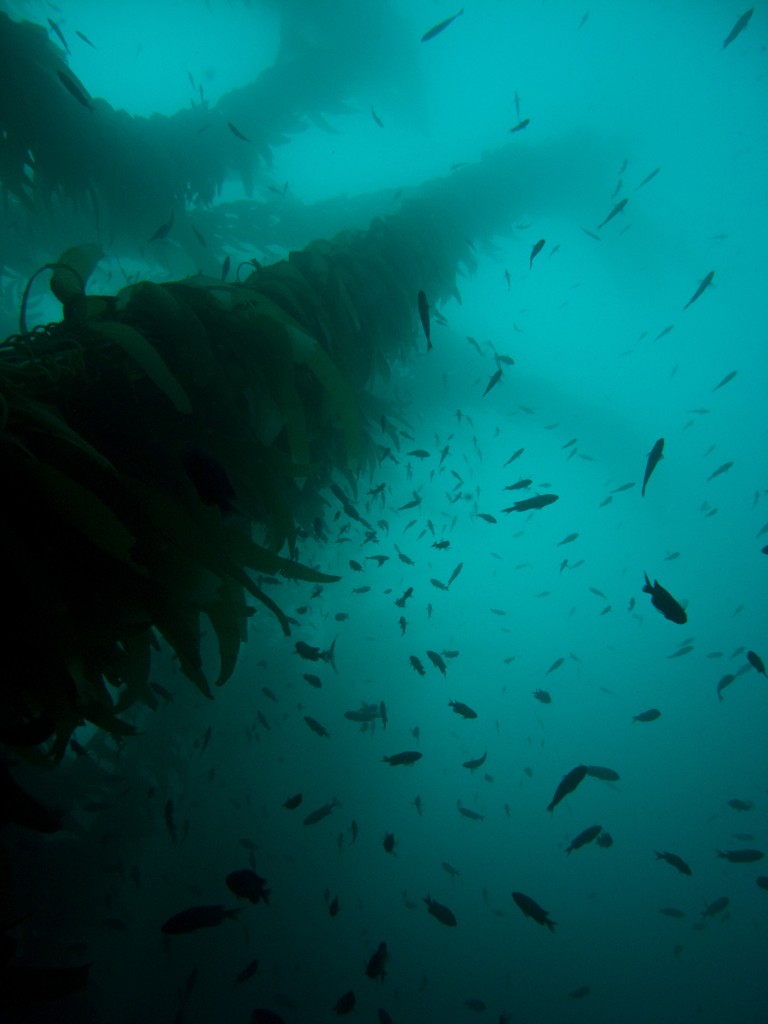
(647, 589)
(329, 656)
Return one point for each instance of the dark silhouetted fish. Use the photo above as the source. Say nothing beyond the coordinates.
(462, 709)
(655, 455)
(756, 662)
(406, 757)
(606, 774)
(322, 812)
(584, 837)
(567, 785)
(194, 918)
(706, 282)
(539, 501)
(726, 380)
(647, 716)
(532, 909)
(675, 861)
(741, 856)
(440, 912)
(440, 27)
(424, 316)
(520, 125)
(236, 132)
(248, 884)
(737, 29)
(616, 210)
(535, 251)
(76, 90)
(664, 602)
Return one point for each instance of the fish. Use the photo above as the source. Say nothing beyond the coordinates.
(247, 972)
(376, 118)
(440, 27)
(377, 962)
(664, 331)
(424, 316)
(476, 762)
(486, 517)
(389, 843)
(293, 801)
(520, 125)
(440, 912)
(584, 837)
(519, 485)
(614, 212)
(405, 757)
(59, 33)
(345, 1004)
(321, 812)
(85, 39)
(762, 881)
(756, 662)
(248, 884)
(725, 681)
(671, 912)
(309, 653)
(567, 785)
(655, 455)
(236, 132)
(737, 29)
(555, 665)
(568, 540)
(74, 89)
(539, 501)
(647, 716)
(531, 908)
(194, 918)
(605, 840)
(455, 574)
(686, 649)
(741, 805)
(715, 907)
(313, 680)
(705, 283)
(646, 179)
(514, 455)
(400, 602)
(542, 696)
(366, 713)
(468, 812)
(437, 661)
(675, 861)
(535, 251)
(741, 856)
(315, 726)
(665, 603)
(726, 380)
(720, 470)
(416, 665)
(606, 774)
(494, 380)
(462, 709)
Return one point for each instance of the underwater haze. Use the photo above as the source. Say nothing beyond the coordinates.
(576, 647)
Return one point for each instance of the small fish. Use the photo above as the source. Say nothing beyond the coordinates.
(236, 132)
(555, 665)
(424, 316)
(441, 912)
(462, 709)
(74, 89)
(535, 251)
(225, 268)
(568, 540)
(309, 653)
(539, 501)
(655, 455)
(313, 680)
(194, 918)
(437, 661)
(741, 805)
(647, 716)
(664, 331)
(440, 27)
(715, 907)
(675, 861)
(247, 972)
(706, 282)
(315, 726)
(514, 455)
(376, 118)
(671, 912)
(321, 812)
(720, 470)
(664, 602)
(377, 962)
(520, 125)
(741, 856)
(476, 762)
(405, 757)
(531, 908)
(59, 33)
(567, 785)
(756, 662)
(614, 212)
(85, 39)
(542, 696)
(686, 649)
(468, 812)
(389, 843)
(737, 29)
(248, 885)
(416, 665)
(648, 178)
(726, 380)
(345, 1004)
(293, 801)
(494, 380)
(163, 230)
(519, 485)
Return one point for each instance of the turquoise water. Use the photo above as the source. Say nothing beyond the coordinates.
(595, 382)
